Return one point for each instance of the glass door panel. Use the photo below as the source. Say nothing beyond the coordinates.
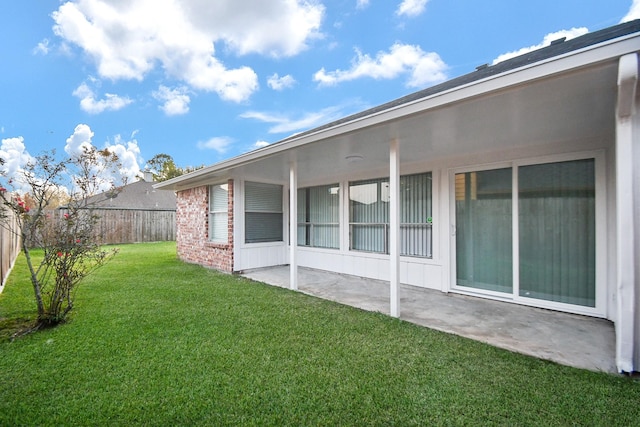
(484, 230)
(556, 204)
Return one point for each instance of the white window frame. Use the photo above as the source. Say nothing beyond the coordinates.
(600, 309)
(280, 211)
(379, 180)
(311, 225)
(218, 213)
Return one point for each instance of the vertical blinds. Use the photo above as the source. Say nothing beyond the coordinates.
(319, 216)
(369, 215)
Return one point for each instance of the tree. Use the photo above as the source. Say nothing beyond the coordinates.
(165, 168)
(68, 241)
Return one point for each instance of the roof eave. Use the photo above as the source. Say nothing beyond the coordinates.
(591, 54)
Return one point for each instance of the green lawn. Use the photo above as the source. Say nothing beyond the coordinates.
(154, 341)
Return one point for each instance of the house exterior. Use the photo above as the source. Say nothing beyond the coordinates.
(518, 182)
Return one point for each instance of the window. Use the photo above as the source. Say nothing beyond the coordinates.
(263, 212)
(218, 216)
(369, 215)
(319, 216)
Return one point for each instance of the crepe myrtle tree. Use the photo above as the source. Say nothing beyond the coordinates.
(61, 246)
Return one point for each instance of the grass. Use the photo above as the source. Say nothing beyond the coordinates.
(154, 341)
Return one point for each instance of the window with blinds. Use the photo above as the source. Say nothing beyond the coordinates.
(218, 216)
(369, 215)
(263, 212)
(319, 216)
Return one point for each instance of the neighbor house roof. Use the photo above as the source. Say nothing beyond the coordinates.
(378, 114)
(140, 195)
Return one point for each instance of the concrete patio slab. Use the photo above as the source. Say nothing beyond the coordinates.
(573, 340)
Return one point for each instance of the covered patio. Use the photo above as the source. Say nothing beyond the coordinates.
(508, 188)
(569, 339)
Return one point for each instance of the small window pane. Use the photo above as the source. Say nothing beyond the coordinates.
(263, 212)
(261, 197)
(218, 216)
(318, 216)
(369, 215)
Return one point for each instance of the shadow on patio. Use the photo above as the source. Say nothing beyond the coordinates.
(568, 339)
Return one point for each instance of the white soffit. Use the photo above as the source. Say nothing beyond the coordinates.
(574, 60)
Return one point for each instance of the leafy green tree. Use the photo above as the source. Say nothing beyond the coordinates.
(61, 246)
(164, 167)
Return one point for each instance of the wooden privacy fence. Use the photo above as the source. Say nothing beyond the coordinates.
(116, 226)
(9, 245)
(136, 225)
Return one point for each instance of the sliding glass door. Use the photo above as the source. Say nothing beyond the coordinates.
(553, 235)
(556, 205)
(484, 230)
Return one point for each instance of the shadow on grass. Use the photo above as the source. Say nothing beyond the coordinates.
(15, 327)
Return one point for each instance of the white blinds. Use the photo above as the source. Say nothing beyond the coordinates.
(263, 212)
(218, 217)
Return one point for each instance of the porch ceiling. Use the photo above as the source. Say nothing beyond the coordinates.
(575, 106)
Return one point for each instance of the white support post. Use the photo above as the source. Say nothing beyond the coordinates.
(293, 225)
(394, 228)
(626, 222)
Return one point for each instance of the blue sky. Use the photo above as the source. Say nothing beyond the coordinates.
(205, 80)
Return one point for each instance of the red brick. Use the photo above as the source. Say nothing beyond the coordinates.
(192, 229)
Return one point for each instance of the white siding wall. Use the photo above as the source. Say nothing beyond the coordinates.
(434, 273)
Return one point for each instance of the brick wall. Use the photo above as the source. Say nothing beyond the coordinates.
(192, 230)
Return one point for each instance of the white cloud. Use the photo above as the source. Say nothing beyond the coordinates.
(79, 140)
(15, 156)
(220, 144)
(362, 4)
(634, 12)
(176, 101)
(127, 40)
(282, 123)
(276, 82)
(569, 34)
(411, 7)
(423, 67)
(42, 47)
(128, 152)
(261, 144)
(91, 105)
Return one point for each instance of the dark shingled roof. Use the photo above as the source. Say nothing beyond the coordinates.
(137, 196)
(557, 48)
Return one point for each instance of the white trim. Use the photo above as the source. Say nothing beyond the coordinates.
(625, 222)
(225, 240)
(515, 234)
(394, 226)
(293, 225)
